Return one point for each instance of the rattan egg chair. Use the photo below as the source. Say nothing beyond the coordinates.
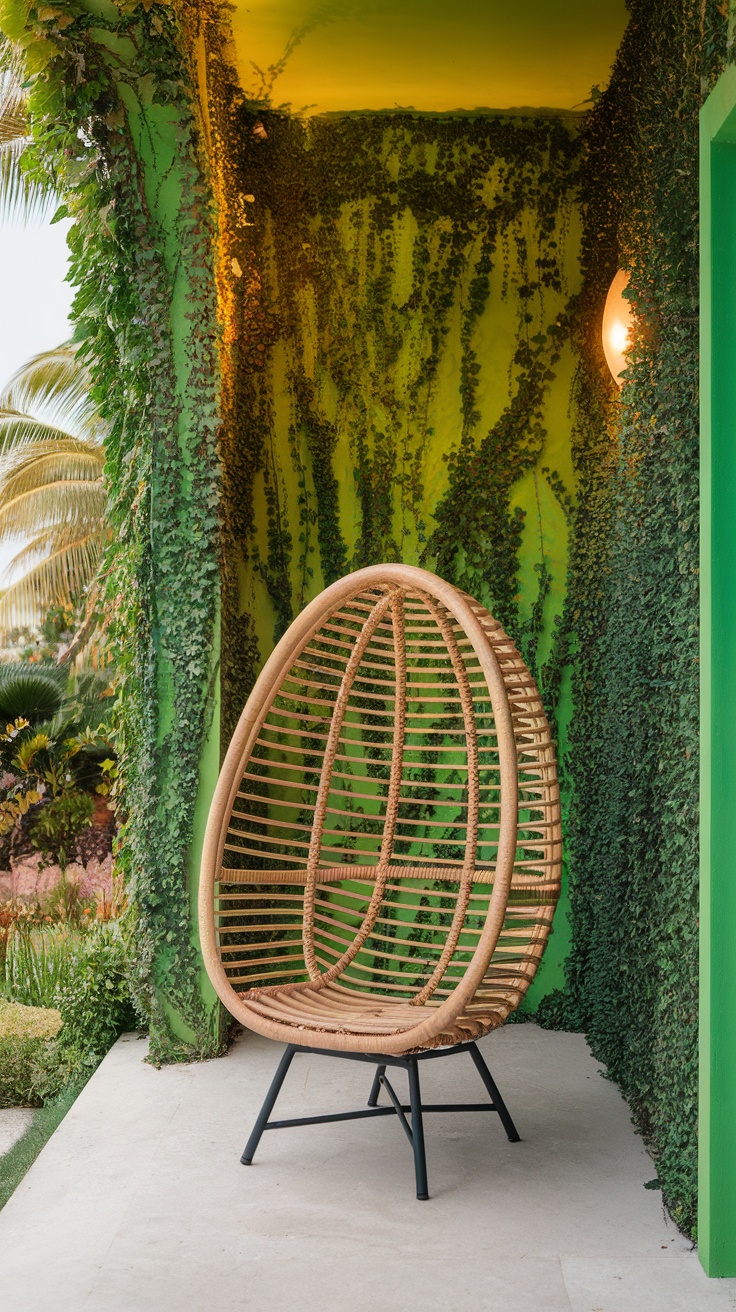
(382, 858)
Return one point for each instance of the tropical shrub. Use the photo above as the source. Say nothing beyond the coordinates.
(79, 977)
(34, 692)
(24, 1052)
(54, 826)
(50, 766)
(95, 1000)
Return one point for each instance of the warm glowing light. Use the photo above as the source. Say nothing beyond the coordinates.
(617, 321)
(618, 335)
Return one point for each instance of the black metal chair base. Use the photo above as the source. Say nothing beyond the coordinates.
(414, 1131)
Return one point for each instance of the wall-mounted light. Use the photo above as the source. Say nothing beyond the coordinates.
(617, 321)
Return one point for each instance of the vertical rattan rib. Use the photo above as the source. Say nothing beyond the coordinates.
(383, 852)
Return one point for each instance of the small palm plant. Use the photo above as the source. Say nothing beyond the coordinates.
(35, 692)
(51, 487)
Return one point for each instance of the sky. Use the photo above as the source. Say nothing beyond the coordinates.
(35, 298)
(34, 302)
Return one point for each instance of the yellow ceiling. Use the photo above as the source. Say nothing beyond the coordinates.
(427, 54)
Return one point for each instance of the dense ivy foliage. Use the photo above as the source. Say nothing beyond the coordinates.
(633, 840)
(400, 289)
(114, 129)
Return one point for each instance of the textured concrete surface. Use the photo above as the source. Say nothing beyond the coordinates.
(139, 1203)
(14, 1122)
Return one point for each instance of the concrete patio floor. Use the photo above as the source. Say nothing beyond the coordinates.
(139, 1203)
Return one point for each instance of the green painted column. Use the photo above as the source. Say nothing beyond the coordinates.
(144, 263)
(160, 135)
(156, 135)
(717, 1122)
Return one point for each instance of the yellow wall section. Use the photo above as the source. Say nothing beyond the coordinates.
(428, 54)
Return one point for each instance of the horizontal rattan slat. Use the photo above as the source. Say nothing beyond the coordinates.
(334, 874)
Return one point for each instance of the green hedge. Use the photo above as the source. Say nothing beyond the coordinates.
(633, 841)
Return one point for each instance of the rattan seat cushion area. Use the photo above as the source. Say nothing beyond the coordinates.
(383, 853)
(335, 1010)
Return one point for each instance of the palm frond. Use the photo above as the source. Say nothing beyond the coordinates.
(12, 60)
(59, 577)
(52, 540)
(29, 468)
(65, 502)
(21, 197)
(23, 430)
(51, 487)
(54, 389)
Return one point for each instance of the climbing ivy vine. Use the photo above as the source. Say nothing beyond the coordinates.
(405, 292)
(633, 594)
(115, 130)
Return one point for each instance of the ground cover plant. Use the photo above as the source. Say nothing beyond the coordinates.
(64, 999)
(25, 1033)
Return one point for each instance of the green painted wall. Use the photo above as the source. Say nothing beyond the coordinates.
(717, 1133)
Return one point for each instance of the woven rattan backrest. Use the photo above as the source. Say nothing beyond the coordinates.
(388, 815)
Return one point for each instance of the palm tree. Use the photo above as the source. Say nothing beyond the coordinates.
(51, 489)
(51, 435)
(20, 197)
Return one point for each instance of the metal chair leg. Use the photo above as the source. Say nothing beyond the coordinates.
(376, 1086)
(267, 1108)
(511, 1131)
(417, 1130)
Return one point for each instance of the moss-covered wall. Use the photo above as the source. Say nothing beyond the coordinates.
(403, 370)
